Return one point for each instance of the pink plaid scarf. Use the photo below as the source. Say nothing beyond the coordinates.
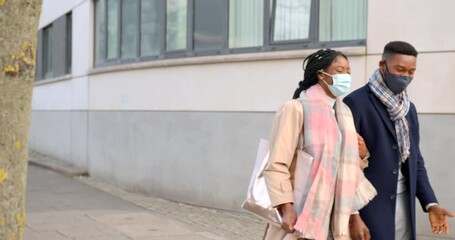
(337, 184)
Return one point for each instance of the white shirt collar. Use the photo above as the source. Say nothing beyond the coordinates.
(331, 101)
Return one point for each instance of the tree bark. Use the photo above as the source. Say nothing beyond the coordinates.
(18, 39)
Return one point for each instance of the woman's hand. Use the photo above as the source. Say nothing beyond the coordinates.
(357, 228)
(289, 217)
(362, 147)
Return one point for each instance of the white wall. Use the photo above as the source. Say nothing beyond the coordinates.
(242, 86)
(428, 25)
(53, 9)
(68, 92)
(82, 39)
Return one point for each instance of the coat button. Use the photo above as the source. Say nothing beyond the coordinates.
(395, 147)
(394, 171)
(392, 197)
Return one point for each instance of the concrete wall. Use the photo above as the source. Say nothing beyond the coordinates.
(61, 134)
(202, 158)
(436, 144)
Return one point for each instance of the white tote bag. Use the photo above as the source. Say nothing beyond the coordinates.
(258, 200)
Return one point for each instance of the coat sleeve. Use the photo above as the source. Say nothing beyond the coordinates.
(424, 191)
(286, 128)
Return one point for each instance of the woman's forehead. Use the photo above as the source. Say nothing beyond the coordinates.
(340, 61)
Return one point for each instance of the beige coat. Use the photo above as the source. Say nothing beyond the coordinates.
(284, 139)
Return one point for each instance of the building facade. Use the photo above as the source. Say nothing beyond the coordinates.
(169, 98)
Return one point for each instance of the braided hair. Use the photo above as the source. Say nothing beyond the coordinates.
(321, 59)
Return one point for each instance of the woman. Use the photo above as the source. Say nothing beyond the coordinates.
(337, 186)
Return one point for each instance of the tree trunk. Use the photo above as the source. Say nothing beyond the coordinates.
(18, 37)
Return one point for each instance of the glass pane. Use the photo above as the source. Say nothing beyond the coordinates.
(208, 24)
(100, 31)
(246, 19)
(176, 24)
(112, 28)
(69, 41)
(47, 52)
(150, 44)
(292, 20)
(130, 27)
(342, 20)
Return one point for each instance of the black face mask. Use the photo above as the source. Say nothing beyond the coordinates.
(396, 83)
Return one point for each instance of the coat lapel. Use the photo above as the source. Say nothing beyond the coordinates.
(383, 113)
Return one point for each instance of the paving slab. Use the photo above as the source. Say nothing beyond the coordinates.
(80, 208)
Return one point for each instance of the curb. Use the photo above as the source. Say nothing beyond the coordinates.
(62, 168)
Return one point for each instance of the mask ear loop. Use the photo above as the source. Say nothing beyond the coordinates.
(322, 79)
(323, 72)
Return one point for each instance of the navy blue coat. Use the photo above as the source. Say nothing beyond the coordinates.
(373, 123)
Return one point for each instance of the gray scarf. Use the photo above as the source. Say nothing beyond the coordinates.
(397, 107)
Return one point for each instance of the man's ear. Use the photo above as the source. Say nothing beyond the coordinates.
(382, 66)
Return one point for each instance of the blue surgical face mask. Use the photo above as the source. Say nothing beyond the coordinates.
(341, 83)
(396, 83)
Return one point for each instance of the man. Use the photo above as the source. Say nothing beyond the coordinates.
(388, 123)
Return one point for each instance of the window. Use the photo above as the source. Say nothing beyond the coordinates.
(138, 30)
(150, 35)
(100, 31)
(112, 28)
(47, 52)
(344, 20)
(176, 24)
(69, 42)
(54, 51)
(130, 29)
(246, 23)
(208, 35)
(291, 20)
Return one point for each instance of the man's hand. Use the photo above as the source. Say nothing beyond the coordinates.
(438, 219)
(362, 147)
(289, 217)
(357, 228)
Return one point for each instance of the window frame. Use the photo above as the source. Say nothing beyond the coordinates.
(295, 42)
(54, 49)
(268, 29)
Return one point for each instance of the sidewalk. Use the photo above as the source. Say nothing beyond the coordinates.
(73, 206)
